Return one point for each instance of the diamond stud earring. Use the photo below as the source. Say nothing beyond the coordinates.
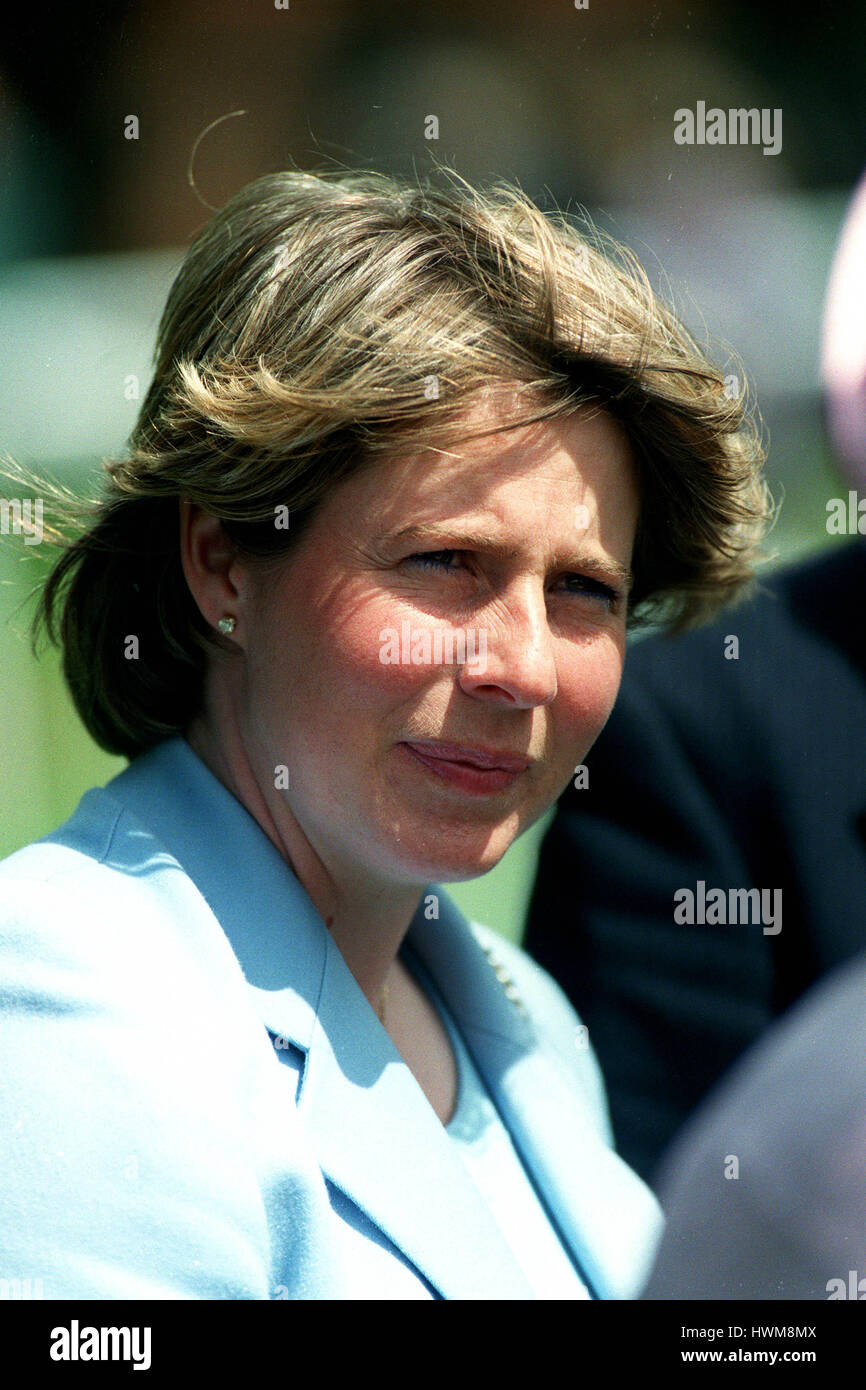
(227, 624)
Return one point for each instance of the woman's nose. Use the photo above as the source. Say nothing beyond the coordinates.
(512, 657)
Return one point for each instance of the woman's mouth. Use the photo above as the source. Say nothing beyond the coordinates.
(469, 767)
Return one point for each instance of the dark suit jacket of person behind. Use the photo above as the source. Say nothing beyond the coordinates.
(741, 773)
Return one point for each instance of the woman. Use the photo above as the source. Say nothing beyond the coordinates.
(355, 607)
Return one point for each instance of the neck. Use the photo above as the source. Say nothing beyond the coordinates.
(367, 917)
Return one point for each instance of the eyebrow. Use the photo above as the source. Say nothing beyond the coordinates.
(453, 538)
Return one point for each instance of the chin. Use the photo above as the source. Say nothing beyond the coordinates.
(454, 857)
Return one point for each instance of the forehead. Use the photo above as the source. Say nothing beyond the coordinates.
(585, 449)
(584, 456)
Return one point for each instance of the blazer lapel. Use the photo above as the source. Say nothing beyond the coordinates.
(602, 1210)
(380, 1142)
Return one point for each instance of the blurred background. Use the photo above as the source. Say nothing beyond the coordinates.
(104, 106)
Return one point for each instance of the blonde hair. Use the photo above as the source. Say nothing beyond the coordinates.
(322, 320)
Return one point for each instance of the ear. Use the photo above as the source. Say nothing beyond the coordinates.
(211, 567)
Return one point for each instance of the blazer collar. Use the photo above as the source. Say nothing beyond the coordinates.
(354, 1081)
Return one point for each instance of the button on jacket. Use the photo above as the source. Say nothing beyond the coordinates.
(197, 1101)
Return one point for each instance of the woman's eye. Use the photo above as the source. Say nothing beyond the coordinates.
(435, 559)
(581, 584)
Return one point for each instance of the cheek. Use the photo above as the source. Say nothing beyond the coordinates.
(355, 654)
(589, 681)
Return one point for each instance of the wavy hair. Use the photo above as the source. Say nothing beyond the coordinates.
(320, 321)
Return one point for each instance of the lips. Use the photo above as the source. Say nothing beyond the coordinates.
(465, 768)
(485, 759)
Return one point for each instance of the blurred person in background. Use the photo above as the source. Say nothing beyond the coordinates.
(248, 1047)
(725, 766)
(765, 1187)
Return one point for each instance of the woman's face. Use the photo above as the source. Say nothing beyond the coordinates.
(443, 647)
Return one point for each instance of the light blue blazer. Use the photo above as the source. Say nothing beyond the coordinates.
(197, 1101)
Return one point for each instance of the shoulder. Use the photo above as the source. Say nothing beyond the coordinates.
(788, 1122)
(100, 921)
(557, 1025)
(100, 896)
(145, 1108)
